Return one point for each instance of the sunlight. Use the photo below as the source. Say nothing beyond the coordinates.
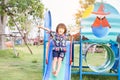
(62, 10)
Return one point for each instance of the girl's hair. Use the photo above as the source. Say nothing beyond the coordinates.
(61, 25)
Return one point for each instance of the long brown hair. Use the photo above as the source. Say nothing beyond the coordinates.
(61, 25)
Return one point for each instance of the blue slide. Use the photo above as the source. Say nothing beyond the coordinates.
(65, 71)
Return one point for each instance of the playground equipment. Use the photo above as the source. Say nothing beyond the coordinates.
(100, 27)
(47, 24)
(113, 53)
(65, 71)
(107, 64)
(111, 64)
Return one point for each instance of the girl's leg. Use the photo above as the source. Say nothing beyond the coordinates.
(54, 64)
(58, 65)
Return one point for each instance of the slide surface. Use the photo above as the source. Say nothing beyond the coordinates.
(65, 71)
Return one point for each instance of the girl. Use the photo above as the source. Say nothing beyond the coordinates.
(59, 38)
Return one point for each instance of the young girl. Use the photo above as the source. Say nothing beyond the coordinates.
(59, 38)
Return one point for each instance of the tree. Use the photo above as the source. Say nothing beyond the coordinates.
(17, 13)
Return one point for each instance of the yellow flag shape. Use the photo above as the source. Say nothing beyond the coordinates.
(88, 11)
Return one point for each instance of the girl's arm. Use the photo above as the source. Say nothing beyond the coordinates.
(44, 28)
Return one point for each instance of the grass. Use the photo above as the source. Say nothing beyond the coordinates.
(24, 67)
(29, 67)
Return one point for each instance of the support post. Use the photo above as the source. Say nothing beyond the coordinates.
(80, 57)
(118, 40)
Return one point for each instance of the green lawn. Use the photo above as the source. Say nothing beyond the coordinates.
(29, 67)
(24, 67)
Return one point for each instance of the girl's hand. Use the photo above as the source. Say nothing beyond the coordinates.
(46, 61)
(75, 30)
(41, 27)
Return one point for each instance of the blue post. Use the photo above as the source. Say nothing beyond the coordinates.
(119, 63)
(80, 57)
(44, 59)
(73, 52)
(118, 40)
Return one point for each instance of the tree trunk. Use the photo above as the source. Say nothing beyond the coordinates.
(3, 20)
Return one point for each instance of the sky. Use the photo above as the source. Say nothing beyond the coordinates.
(62, 10)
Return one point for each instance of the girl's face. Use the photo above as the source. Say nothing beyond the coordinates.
(61, 31)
